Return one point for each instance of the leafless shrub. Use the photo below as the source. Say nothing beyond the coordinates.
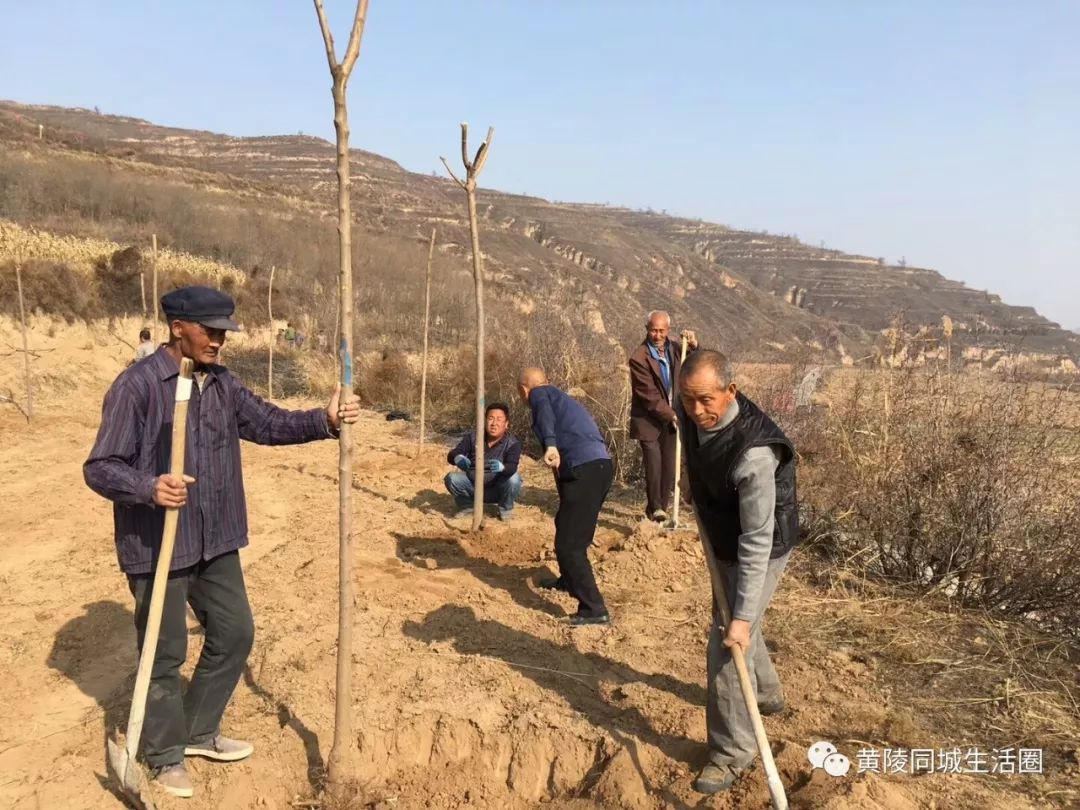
(952, 485)
(117, 279)
(52, 287)
(291, 373)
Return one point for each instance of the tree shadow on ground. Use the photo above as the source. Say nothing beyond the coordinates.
(316, 767)
(495, 576)
(85, 650)
(566, 671)
(97, 652)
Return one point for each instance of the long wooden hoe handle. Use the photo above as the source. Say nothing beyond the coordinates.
(161, 571)
(678, 445)
(772, 775)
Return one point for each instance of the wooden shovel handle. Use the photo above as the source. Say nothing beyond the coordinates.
(772, 775)
(161, 571)
(677, 496)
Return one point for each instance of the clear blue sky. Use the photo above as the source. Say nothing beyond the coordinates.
(945, 132)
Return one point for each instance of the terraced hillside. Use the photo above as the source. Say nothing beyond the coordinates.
(754, 293)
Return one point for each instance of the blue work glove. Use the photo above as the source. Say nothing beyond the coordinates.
(494, 466)
(462, 463)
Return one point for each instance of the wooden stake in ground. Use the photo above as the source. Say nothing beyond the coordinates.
(270, 312)
(472, 171)
(423, 361)
(343, 754)
(157, 303)
(25, 345)
(142, 292)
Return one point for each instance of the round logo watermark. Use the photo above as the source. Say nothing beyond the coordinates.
(823, 754)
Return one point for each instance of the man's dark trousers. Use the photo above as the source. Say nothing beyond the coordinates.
(581, 494)
(215, 590)
(658, 458)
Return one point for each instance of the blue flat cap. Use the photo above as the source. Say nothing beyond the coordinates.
(212, 308)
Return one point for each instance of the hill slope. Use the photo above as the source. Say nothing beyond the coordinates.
(751, 292)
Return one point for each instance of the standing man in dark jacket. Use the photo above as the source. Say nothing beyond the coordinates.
(502, 454)
(654, 381)
(579, 458)
(129, 465)
(741, 468)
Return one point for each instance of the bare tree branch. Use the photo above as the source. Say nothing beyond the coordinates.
(447, 165)
(353, 49)
(112, 333)
(328, 38)
(481, 153)
(465, 146)
(9, 398)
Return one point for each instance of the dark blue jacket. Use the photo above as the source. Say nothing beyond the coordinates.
(507, 450)
(562, 422)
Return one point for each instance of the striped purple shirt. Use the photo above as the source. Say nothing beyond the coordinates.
(133, 447)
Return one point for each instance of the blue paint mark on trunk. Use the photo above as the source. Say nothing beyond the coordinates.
(346, 367)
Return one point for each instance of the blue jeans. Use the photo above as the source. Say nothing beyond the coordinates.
(503, 493)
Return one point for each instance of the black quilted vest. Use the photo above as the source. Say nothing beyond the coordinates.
(716, 499)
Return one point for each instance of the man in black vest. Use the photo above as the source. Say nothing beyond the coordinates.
(741, 470)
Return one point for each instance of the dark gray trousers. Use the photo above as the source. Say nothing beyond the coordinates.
(658, 458)
(215, 590)
(731, 734)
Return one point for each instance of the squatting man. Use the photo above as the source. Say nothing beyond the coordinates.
(502, 454)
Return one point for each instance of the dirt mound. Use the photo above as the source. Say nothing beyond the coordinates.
(482, 753)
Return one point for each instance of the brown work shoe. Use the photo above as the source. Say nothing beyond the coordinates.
(775, 706)
(221, 748)
(715, 779)
(174, 780)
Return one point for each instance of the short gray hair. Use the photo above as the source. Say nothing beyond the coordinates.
(657, 313)
(707, 358)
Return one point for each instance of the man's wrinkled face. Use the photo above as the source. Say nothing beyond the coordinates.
(657, 330)
(704, 399)
(201, 343)
(496, 424)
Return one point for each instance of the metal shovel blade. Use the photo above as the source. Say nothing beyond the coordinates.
(130, 775)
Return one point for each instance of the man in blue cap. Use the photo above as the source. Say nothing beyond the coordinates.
(129, 465)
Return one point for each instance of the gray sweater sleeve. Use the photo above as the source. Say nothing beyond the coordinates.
(755, 479)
